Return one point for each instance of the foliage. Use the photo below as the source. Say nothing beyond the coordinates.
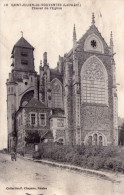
(36, 155)
(32, 137)
(93, 157)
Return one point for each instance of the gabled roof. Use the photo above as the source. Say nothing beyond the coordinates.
(34, 103)
(91, 30)
(22, 43)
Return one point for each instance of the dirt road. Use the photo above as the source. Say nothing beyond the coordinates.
(23, 177)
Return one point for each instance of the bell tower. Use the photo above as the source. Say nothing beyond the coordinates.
(22, 55)
(22, 79)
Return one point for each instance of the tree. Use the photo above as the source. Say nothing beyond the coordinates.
(32, 137)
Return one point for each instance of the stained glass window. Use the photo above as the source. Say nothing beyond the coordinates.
(94, 82)
(56, 95)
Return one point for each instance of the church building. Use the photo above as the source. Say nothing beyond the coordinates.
(72, 104)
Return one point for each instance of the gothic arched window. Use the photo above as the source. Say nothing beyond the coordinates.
(56, 93)
(95, 138)
(94, 82)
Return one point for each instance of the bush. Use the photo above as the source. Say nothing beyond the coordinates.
(84, 162)
(36, 155)
(114, 165)
(99, 163)
(93, 157)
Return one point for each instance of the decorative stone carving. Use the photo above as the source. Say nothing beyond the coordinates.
(94, 44)
(94, 81)
(93, 70)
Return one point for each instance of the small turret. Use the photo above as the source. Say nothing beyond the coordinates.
(45, 58)
(60, 64)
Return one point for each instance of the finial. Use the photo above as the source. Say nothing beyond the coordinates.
(93, 19)
(22, 33)
(41, 63)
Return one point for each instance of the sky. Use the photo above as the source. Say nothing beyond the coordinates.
(51, 31)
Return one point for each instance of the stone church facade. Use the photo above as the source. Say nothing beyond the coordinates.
(75, 103)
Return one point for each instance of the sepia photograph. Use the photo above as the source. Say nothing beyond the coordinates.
(61, 97)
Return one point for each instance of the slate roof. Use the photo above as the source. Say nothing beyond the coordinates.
(34, 103)
(23, 43)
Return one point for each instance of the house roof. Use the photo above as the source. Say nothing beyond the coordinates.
(22, 43)
(46, 134)
(57, 113)
(34, 103)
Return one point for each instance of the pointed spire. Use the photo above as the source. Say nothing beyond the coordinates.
(93, 19)
(74, 37)
(111, 42)
(111, 39)
(74, 34)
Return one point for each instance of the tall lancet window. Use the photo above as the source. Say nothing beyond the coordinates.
(94, 82)
(56, 93)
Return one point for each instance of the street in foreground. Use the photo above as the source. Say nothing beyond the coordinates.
(23, 177)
